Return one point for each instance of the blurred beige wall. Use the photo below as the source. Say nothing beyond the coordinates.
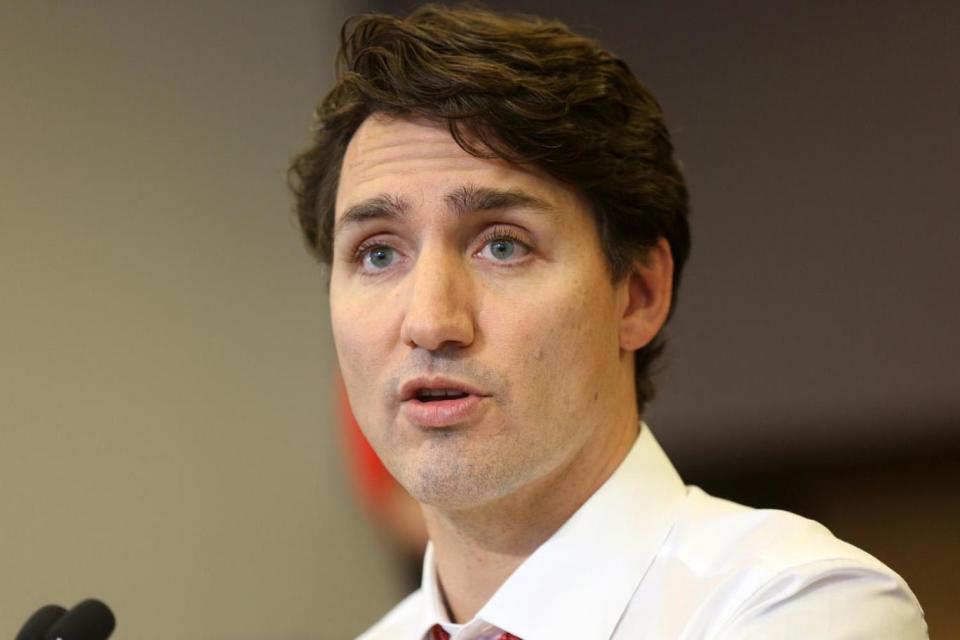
(166, 433)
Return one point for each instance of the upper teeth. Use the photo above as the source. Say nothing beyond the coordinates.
(441, 393)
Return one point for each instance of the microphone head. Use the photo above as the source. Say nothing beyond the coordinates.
(40, 622)
(89, 620)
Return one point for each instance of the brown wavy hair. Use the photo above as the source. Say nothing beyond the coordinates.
(520, 88)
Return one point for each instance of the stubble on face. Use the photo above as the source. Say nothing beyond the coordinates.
(544, 343)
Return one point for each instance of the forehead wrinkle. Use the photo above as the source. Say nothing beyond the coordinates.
(369, 148)
(409, 151)
(371, 169)
(367, 143)
(468, 198)
(401, 159)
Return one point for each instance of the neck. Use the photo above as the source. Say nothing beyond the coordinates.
(477, 549)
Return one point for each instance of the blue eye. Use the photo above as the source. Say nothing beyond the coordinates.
(503, 248)
(379, 257)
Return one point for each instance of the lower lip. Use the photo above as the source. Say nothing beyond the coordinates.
(441, 413)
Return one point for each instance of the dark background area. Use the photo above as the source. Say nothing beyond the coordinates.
(813, 357)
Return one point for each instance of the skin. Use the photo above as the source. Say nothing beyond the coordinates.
(516, 301)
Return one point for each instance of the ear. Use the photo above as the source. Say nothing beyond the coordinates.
(646, 294)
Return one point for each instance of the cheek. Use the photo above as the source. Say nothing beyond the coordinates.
(581, 341)
(556, 341)
(362, 336)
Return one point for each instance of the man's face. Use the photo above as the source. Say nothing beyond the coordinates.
(474, 317)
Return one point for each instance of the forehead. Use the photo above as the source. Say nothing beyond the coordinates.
(411, 157)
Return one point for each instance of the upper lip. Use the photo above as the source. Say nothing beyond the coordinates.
(411, 387)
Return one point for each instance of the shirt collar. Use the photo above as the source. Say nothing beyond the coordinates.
(432, 609)
(578, 583)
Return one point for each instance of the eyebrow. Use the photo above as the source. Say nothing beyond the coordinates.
(384, 206)
(471, 198)
(462, 200)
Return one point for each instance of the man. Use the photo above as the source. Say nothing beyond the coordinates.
(505, 228)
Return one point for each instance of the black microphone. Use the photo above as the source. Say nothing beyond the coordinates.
(40, 622)
(89, 620)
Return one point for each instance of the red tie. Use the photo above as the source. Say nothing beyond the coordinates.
(438, 633)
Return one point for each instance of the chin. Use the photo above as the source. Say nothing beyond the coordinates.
(452, 487)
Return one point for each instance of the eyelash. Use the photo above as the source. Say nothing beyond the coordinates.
(502, 233)
(365, 246)
(494, 233)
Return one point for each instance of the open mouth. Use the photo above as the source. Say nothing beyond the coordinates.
(441, 402)
(436, 395)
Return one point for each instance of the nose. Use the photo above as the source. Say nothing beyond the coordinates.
(438, 310)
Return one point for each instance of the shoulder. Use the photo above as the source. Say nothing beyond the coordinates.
(769, 573)
(721, 536)
(399, 622)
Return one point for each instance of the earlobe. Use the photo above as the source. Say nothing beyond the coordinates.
(648, 292)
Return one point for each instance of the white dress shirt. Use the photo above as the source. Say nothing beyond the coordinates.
(646, 558)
